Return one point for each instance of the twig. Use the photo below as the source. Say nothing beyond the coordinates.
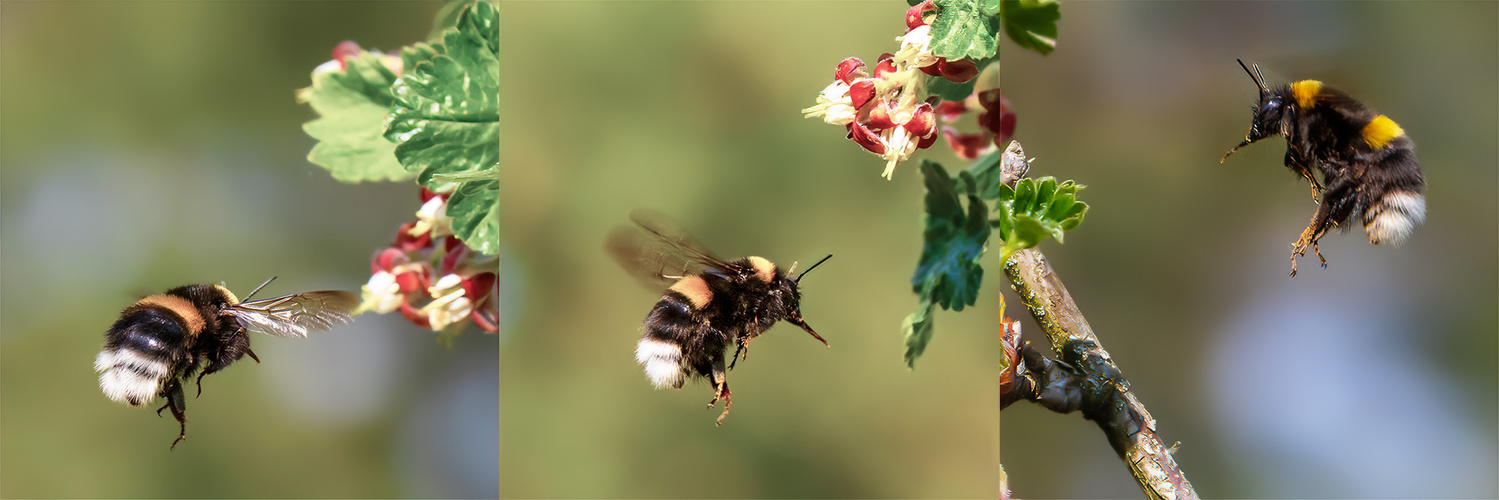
(1086, 379)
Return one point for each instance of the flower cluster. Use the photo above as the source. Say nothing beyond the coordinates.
(888, 113)
(436, 289)
(996, 123)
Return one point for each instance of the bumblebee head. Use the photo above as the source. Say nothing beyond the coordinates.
(1267, 113)
(791, 297)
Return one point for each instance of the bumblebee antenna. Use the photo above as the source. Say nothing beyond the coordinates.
(814, 266)
(262, 285)
(1259, 79)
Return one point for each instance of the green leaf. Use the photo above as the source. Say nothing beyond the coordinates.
(475, 210)
(918, 332)
(446, 118)
(948, 273)
(419, 52)
(446, 17)
(965, 29)
(1032, 24)
(1035, 210)
(352, 104)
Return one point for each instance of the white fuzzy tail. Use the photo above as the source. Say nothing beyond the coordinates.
(128, 377)
(663, 362)
(1395, 216)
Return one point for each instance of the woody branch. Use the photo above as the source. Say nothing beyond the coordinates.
(1086, 379)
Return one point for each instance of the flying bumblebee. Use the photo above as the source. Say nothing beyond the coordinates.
(708, 304)
(163, 339)
(1368, 164)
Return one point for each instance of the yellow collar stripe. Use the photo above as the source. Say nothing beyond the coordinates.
(1305, 92)
(1380, 131)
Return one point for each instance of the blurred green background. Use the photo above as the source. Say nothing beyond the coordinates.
(1375, 377)
(152, 144)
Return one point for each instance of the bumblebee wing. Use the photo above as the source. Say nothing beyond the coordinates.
(658, 252)
(297, 314)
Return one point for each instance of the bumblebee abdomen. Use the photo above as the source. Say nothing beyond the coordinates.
(140, 352)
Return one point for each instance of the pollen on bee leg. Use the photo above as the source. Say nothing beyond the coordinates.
(662, 361)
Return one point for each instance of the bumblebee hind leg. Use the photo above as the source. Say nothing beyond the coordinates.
(720, 390)
(1336, 205)
(175, 401)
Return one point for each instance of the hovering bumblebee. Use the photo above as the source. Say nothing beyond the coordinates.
(1368, 165)
(709, 303)
(162, 339)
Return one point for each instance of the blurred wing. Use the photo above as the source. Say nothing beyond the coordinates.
(295, 315)
(658, 252)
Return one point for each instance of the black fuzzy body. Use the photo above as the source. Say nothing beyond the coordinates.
(1367, 164)
(164, 334)
(166, 340)
(742, 306)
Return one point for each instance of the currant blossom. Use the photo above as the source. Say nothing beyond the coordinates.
(449, 305)
(888, 112)
(402, 276)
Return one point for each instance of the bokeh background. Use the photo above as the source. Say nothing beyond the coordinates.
(148, 145)
(1375, 377)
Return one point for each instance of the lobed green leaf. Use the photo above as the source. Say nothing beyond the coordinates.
(965, 29)
(1036, 209)
(1032, 24)
(948, 273)
(475, 210)
(446, 120)
(917, 328)
(350, 130)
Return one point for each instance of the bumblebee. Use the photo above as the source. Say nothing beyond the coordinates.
(1368, 164)
(709, 303)
(163, 339)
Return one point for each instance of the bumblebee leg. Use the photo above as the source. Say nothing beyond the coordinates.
(1297, 164)
(179, 410)
(720, 391)
(1319, 255)
(743, 350)
(1309, 236)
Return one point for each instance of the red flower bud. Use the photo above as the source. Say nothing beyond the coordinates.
(958, 71)
(934, 69)
(861, 93)
(408, 243)
(343, 51)
(478, 286)
(885, 66)
(926, 142)
(387, 259)
(880, 116)
(967, 146)
(848, 70)
(923, 122)
(865, 137)
(916, 15)
(950, 110)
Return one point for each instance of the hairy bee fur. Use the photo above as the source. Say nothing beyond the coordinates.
(708, 305)
(163, 339)
(1368, 164)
